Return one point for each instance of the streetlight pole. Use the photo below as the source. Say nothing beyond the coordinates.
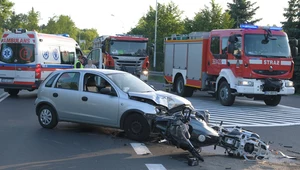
(120, 21)
(155, 35)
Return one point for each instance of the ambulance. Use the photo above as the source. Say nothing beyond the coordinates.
(28, 57)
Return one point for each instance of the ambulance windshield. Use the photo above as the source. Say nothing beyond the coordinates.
(278, 48)
(17, 53)
(128, 48)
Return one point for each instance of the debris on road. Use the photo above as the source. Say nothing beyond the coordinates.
(289, 157)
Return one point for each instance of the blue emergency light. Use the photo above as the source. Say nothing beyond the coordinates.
(247, 26)
(64, 35)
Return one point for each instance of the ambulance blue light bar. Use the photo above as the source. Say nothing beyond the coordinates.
(247, 26)
(64, 35)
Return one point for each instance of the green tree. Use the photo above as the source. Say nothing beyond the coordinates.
(51, 27)
(61, 25)
(292, 15)
(32, 22)
(168, 22)
(88, 35)
(15, 21)
(208, 19)
(242, 11)
(5, 12)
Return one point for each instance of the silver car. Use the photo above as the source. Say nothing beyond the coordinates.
(103, 97)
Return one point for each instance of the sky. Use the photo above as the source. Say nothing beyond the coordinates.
(111, 17)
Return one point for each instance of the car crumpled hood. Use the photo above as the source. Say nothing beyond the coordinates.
(162, 98)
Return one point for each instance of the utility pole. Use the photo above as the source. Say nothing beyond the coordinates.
(155, 35)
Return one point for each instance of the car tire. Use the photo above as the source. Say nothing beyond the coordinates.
(47, 117)
(13, 92)
(272, 100)
(224, 94)
(137, 127)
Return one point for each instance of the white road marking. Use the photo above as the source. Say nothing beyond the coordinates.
(155, 167)
(140, 148)
(3, 96)
(245, 113)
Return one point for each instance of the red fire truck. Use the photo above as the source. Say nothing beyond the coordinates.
(125, 52)
(251, 61)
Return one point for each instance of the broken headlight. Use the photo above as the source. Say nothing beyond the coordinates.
(161, 110)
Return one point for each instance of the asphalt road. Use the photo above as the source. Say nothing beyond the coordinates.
(25, 145)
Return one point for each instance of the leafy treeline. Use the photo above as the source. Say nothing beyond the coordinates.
(170, 21)
(291, 25)
(210, 17)
(56, 25)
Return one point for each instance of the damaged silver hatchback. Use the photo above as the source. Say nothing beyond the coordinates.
(103, 97)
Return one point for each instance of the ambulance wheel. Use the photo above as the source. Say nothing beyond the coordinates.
(181, 89)
(13, 92)
(272, 100)
(224, 94)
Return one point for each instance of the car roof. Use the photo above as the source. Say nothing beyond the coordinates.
(91, 70)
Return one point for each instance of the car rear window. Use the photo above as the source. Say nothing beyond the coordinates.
(17, 53)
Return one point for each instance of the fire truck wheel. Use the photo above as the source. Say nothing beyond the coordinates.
(13, 92)
(181, 89)
(225, 96)
(272, 100)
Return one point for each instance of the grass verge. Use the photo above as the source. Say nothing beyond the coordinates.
(159, 79)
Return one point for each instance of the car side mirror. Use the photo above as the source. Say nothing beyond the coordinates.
(294, 51)
(293, 42)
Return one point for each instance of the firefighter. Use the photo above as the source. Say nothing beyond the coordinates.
(78, 63)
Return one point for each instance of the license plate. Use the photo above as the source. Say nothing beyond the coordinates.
(3, 80)
(271, 92)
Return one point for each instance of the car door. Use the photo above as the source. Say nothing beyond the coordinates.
(99, 108)
(96, 56)
(65, 95)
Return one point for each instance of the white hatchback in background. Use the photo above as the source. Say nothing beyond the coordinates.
(103, 97)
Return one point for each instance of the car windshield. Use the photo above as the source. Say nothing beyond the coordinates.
(129, 83)
(128, 48)
(254, 46)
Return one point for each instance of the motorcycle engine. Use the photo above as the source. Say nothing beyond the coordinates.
(240, 142)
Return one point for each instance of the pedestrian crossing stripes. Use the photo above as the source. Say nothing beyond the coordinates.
(245, 113)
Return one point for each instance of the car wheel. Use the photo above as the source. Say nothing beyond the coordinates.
(47, 117)
(136, 127)
(224, 94)
(13, 92)
(272, 100)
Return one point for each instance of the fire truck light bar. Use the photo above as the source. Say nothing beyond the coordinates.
(246, 26)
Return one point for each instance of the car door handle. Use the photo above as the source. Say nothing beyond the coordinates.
(55, 94)
(84, 98)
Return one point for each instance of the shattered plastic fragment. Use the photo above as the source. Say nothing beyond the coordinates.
(289, 157)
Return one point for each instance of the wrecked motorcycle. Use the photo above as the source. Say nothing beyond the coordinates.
(189, 130)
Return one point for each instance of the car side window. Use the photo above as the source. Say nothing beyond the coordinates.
(50, 82)
(69, 80)
(95, 84)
